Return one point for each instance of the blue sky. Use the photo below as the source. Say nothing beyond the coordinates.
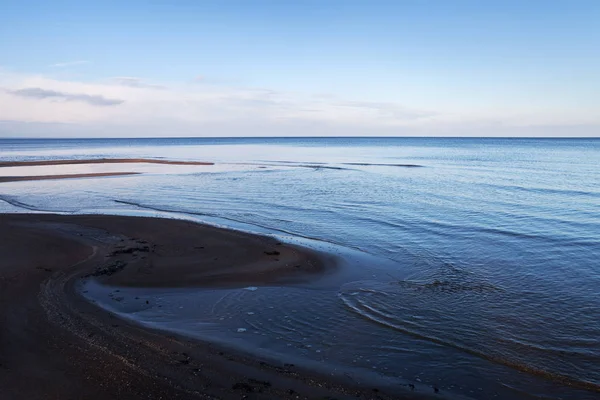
(223, 68)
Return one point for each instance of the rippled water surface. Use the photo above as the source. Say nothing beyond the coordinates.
(469, 265)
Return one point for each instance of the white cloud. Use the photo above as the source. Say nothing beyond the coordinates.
(36, 105)
(39, 93)
(135, 82)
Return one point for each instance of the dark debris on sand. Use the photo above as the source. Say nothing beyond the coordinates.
(110, 269)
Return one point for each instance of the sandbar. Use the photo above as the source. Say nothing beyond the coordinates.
(62, 176)
(99, 161)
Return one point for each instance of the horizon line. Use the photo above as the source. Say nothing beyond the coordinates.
(294, 137)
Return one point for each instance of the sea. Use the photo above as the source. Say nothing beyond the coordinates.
(467, 267)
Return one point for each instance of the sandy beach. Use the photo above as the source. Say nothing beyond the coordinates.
(54, 344)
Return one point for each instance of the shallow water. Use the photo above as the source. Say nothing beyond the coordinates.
(476, 272)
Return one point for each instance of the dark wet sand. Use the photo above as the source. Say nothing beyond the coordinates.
(66, 176)
(54, 344)
(100, 161)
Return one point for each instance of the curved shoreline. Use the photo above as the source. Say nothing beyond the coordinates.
(57, 343)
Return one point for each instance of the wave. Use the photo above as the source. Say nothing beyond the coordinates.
(213, 215)
(416, 329)
(449, 228)
(385, 165)
(318, 166)
(325, 165)
(546, 190)
(292, 164)
(19, 204)
(450, 287)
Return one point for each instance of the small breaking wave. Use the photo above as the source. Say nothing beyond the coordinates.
(385, 165)
(301, 164)
(449, 286)
(234, 220)
(428, 310)
(18, 204)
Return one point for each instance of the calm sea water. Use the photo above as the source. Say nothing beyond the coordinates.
(469, 265)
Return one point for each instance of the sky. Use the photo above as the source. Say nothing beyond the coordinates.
(299, 68)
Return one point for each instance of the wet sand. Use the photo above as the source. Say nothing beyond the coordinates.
(86, 161)
(54, 344)
(64, 176)
(100, 161)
